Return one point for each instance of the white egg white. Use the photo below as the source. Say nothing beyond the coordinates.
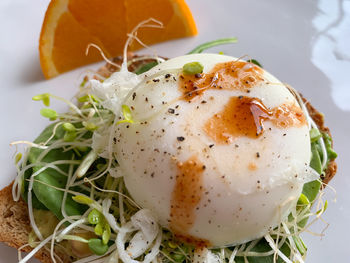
(239, 204)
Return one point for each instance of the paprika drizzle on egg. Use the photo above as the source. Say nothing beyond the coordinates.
(186, 196)
(241, 116)
(245, 116)
(232, 75)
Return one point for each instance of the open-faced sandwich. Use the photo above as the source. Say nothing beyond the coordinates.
(199, 158)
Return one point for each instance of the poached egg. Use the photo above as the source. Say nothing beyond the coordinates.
(219, 157)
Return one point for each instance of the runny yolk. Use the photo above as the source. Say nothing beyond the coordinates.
(245, 116)
(186, 196)
(232, 75)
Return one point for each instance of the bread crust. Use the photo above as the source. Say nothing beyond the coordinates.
(14, 220)
(15, 226)
(318, 118)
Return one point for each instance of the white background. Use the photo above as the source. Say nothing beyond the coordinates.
(304, 43)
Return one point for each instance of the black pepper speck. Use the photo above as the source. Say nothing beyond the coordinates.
(180, 138)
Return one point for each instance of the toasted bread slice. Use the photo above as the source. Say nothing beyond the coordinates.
(15, 225)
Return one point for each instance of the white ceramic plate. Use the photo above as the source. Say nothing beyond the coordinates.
(304, 43)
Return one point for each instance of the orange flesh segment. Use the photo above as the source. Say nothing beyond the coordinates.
(70, 25)
(175, 16)
(92, 15)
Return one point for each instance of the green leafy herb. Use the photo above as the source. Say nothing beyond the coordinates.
(263, 246)
(328, 142)
(303, 200)
(210, 44)
(97, 247)
(44, 196)
(254, 61)
(146, 67)
(311, 189)
(69, 136)
(315, 135)
(316, 162)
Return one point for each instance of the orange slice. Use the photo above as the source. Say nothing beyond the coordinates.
(70, 25)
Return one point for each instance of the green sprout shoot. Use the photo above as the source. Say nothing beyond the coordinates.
(82, 199)
(49, 113)
(45, 98)
(68, 127)
(90, 126)
(222, 41)
(18, 157)
(192, 68)
(127, 115)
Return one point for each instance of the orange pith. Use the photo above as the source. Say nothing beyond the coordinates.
(70, 25)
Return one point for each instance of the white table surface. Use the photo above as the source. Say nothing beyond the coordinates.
(304, 43)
